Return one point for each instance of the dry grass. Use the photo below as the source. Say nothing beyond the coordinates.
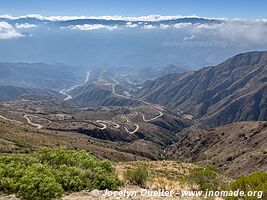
(168, 175)
(19, 138)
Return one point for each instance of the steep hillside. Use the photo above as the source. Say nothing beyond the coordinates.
(18, 138)
(39, 75)
(238, 148)
(12, 92)
(96, 94)
(143, 131)
(235, 90)
(151, 73)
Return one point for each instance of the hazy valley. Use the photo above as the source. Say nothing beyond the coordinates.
(100, 104)
(140, 117)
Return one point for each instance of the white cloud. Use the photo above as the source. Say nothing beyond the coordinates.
(25, 26)
(182, 25)
(130, 25)
(149, 26)
(245, 32)
(252, 33)
(8, 32)
(90, 27)
(164, 26)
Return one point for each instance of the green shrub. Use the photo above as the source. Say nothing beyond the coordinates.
(72, 178)
(139, 175)
(80, 163)
(81, 159)
(206, 178)
(12, 169)
(103, 180)
(48, 173)
(254, 182)
(39, 183)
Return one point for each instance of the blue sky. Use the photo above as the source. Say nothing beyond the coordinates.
(207, 8)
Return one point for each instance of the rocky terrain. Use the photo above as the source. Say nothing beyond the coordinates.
(18, 138)
(214, 117)
(96, 94)
(238, 148)
(143, 131)
(232, 91)
(102, 107)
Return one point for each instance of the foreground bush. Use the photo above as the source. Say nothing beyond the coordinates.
(48, 173)
(254, 186)
(254, 182)
(206, 178)
(38, 182)
(138, 176)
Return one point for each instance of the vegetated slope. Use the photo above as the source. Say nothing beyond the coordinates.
(49, 173)
(18, 138)
(39, 75)
(141, 131)
(95, 94)
(11, 92)
(235, 90)
(158, 175)
(238, 148)
(77, 175)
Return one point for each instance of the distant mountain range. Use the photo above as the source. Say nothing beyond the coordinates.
(235, 90)
(23, 78)
(135, 42)
(106, 20)
(12, 92)
(38, 75)
(17, 79)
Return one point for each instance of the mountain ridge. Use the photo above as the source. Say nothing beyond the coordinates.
(236, 84)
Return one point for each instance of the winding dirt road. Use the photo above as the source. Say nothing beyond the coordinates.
(135, 130)
(38, 126)
(102, 123)
(149, 120)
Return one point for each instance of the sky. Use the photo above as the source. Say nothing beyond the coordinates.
(254, 9)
